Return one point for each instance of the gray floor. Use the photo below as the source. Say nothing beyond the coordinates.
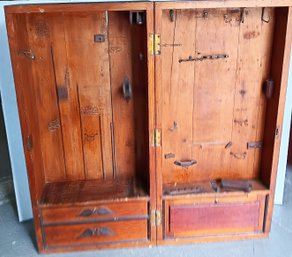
(18, 239)
(6, 185)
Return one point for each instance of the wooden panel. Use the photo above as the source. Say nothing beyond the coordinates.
(120, 49)
(89, 191)
(107, 232)
(177, 89)
(253, 61)
(197, 109)
(280, 64)
(217, 34)
(203, 115)
(22, 71)
(89, 68)
(68, 105)
(78, 8)
(46, 98)
(208, 218)
(106, 211)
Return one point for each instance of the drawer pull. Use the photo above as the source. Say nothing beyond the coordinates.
(102, 231)
(91, 212)
(185, 163)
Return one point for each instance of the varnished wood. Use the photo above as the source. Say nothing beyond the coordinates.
(89, 190)
(247, 216)
(133, 209)
(97, 178)
(275, 109)
(62, 236)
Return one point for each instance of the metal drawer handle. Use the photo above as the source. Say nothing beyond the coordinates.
(127, 89)
(185, 163)
(91, 212)
(102, 231)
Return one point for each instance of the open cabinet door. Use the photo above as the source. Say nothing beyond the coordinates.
(213, 72)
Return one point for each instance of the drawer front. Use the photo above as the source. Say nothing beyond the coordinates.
(94, 233)
(115, 211)
(207, 219)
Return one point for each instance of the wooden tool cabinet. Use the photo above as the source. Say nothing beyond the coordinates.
(150, 123)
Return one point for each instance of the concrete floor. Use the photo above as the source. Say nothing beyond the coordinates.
(6, 185)
(17, 239)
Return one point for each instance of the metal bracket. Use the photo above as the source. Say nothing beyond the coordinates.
(156, 138)
(255, 145)
(155, 218)
(53, 125)
(99, 38)
(137, 17)
(154, 44)
(203, 58)
(28, 53)
(29, 143)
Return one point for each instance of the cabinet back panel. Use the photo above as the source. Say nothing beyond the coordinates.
(128, 60)
(87, 129)
(211, 108)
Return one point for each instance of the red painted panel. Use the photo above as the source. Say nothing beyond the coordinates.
(214, 217)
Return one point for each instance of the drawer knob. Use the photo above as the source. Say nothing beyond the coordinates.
(102, 231)
(98, 211)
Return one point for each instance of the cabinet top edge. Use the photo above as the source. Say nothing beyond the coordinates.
(77, 7)
(121, 5)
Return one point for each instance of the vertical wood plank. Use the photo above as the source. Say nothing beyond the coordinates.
(267, 32)
(69, 108)
(249, 89)
(46, 99)
(217, 34)
(177, 90)
(89, 64)
(121, 56)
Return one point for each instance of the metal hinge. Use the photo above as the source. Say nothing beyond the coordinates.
(29, 143)
(154, 44)
(156, 137)
(155, 218)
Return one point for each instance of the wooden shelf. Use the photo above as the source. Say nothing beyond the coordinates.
(85, 191)
(199, 188)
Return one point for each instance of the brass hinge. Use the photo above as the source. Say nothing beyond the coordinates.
(156, 138)
(155, 218)
(154, 44)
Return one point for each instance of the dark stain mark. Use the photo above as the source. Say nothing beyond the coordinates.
(42, 29)
(251, 34)
(242, 92)
(90, 137)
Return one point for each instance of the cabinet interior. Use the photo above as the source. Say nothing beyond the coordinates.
(88, 103)
(218, 121)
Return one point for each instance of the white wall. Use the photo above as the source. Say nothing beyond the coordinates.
(11, 119)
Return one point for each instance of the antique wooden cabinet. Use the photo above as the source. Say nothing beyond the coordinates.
(150, 123)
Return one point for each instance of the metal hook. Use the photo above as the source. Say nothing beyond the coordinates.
(263, 16)
(171, 15)
(242, 15)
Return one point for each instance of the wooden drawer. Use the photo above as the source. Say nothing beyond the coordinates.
(95, 233)
(98, 212)
(211, 219)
